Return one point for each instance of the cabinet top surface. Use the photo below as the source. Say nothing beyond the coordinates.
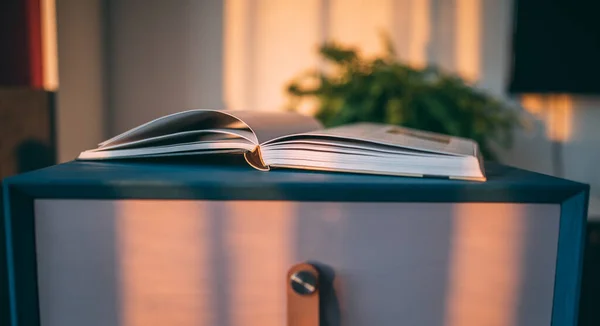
(236, 180)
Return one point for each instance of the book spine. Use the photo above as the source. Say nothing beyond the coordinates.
(254, 158)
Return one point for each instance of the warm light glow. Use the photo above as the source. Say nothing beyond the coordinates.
(49, 45)
(165, 263)
(269, 42)
(358, 22)
(468, 42)
(533, 103)
(560, 118)
(556, 111)
(486, 253)
(260, 246)
(419, 33)
(266, 44)
(237, 51)
(204, 263)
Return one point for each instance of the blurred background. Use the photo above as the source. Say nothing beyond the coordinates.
(73, 73)
(107, 66)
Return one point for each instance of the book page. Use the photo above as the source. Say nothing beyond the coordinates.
(185, 137)
(358, 161)
(201, 130)
(197, 148)
(378, 149)
(257, 126)
(345, 146)
(180, 122)
(365, 133)
(268, 125)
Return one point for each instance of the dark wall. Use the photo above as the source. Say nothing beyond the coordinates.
(27, 139)
(27, 142)
(556, 47)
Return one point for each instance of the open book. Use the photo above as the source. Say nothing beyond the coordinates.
(288, 140)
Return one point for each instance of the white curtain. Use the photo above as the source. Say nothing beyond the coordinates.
(267, 42)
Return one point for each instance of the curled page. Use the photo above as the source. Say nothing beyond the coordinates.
(254, 158)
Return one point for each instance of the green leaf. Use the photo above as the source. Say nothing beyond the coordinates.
(384, 89)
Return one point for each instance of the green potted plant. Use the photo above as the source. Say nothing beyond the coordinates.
(384, 89)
